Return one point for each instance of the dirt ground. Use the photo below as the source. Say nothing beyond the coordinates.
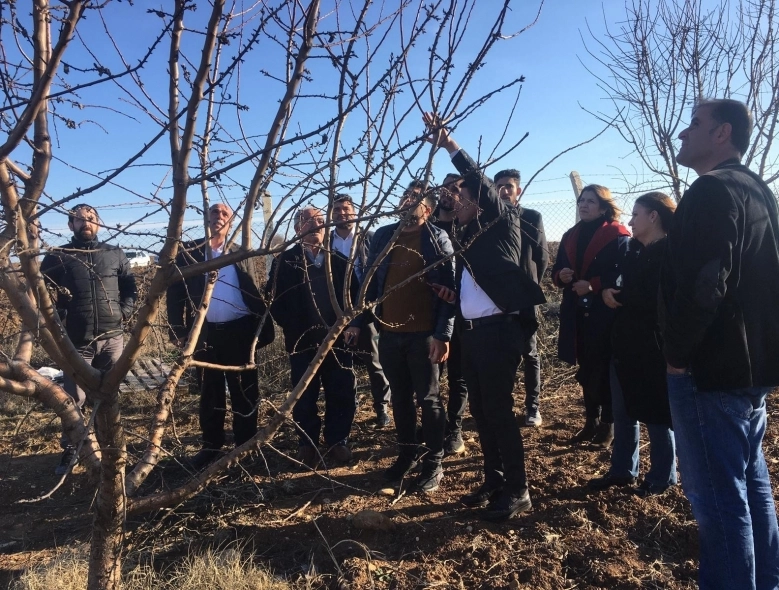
(300, 524)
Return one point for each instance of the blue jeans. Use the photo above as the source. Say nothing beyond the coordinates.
(719, 438)
(627, 435)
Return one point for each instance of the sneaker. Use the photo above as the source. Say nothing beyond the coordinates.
(506, 505)
(68, 460)
(533, 418)
(453, 444)
(429, 480)
(599, 484)
(382, 419)
(482, 496)
(308, 456)
(586, 434)
(399, 469)
(341, 453)
(203, 458)
(604, 436)
(645, 489)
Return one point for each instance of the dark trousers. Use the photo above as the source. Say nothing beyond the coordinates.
(406, 362)
(227, 343)
(458, 392)
(367, 354)
(336, 377)
(593, 374)
(491, 354)
(532, 371)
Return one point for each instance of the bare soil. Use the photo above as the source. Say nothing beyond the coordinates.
(299, 523)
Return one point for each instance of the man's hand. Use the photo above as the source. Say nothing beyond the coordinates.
(439, 351)
(565, 275)
(444, 293)
(437, 134)
(582, 287)
(674, 371)
(351, 334)
(608, 298)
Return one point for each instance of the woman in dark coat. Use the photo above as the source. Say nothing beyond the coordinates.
(587, 259)
(638, 384)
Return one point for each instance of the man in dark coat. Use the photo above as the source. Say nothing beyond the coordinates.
(95, 293)
(232, 318)
(342, 238)
(302, 306)
(534, 261)
(720, 323)
(492, 289)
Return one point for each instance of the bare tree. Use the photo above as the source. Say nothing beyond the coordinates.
(338, 109)
(668, 54)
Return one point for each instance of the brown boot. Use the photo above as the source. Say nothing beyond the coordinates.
(586, 434)
(603, 437)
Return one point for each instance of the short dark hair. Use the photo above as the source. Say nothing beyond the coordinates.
(451, 177)
(508, 173)
(420, 184)
(73, 211)
(342, 198)
(734, 112)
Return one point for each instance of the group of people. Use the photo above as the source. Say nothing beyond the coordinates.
(675, 327)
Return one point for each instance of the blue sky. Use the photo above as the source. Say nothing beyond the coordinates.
(548, 54)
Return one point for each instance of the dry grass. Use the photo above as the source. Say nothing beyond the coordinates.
(226, 569)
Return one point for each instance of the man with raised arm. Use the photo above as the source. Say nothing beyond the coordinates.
(492, 289)
(232, 318)
(720, 321)
(534, 261)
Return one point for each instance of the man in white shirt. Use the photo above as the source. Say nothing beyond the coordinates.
(232, 319)
(367, 348)
(492, 289)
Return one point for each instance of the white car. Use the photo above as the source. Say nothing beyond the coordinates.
(139, 258)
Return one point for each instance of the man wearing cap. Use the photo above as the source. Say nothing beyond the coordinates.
(95, 292)
(232, 319)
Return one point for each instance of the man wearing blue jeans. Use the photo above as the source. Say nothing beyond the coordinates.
(720, 322)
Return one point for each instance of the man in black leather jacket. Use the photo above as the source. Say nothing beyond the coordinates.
(95, 293)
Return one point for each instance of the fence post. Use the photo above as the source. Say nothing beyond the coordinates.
(576, 182)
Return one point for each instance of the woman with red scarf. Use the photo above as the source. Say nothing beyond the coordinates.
(588, 258)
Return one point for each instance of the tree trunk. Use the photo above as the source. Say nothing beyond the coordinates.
(108, 526)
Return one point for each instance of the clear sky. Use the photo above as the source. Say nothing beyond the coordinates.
(556, 91)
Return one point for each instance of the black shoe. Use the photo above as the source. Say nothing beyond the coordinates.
(601, 483)
(586, 434)
(482, 496)
(382, 419)
(399, 469)
(453, 444)
(506, 505)
(203, 458)
(68, 458)
(645, 489)
(603, 437)
(429, 480)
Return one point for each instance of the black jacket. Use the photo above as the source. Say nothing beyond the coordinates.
(293, 300)
(635, 337)
(183, 297)
(493, 245)
(535, 251)
(95, 289)
(435, 246)
(719, 308)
